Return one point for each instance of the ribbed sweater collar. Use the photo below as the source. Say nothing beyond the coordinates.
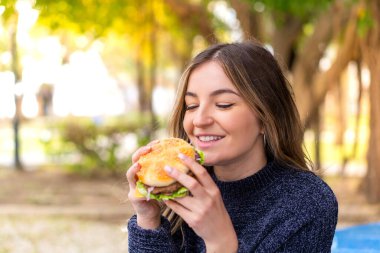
(254, 183)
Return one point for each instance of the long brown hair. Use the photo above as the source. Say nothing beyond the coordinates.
(257, 76)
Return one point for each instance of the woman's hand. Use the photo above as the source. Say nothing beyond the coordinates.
(148, 212)
(204, 210)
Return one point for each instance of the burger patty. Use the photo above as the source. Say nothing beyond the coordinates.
(167, 189)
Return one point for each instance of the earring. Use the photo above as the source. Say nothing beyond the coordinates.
(265, 140)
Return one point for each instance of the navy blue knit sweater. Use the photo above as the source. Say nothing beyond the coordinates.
(275, 210)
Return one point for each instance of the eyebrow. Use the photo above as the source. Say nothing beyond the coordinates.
(214, 93)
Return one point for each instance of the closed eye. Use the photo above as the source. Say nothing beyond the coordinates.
(191, 107)
(224, 106)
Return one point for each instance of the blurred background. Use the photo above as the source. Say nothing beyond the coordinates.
(83, 83)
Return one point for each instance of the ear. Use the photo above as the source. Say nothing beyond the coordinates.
(262, 129)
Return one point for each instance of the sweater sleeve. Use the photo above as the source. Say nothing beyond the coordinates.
(150, 240)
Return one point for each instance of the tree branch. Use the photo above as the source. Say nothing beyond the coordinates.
(195, 16)
(326, 80)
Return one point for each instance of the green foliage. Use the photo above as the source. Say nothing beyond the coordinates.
(95, 145)
(365, 21)
(91, 17)
(300, 8)
(9, 10)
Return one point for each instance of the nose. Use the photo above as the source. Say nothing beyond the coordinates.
(203, 117)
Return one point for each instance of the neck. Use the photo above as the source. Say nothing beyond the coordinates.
(240, 168)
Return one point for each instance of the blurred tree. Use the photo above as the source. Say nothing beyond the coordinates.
(369, 28)
(10, 21)
(300, 33)
(143, 23)
(148, 28)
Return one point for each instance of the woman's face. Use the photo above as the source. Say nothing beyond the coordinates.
(218, 121)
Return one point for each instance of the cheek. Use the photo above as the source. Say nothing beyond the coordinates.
(246, 122)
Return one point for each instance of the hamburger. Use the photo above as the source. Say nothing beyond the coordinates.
(153, 182)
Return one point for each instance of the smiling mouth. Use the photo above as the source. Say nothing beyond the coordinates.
(209, 138)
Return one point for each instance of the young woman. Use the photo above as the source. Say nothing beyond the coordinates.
(257, 192)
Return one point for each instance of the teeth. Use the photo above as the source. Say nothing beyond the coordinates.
(209, 138)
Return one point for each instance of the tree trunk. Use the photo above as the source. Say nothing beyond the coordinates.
(140, 74)
(146, 69)
(250, 21)
(284, 40)
(317, 139)
(194, 15)
(310, 84)
(371, 52)
(18, 116)
(373, 173)
(349, 156)
(153, 68)
(322, 82)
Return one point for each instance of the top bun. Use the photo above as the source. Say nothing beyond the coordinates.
(164, 152)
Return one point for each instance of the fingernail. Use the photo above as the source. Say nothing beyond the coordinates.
(181, 156)
(168, 169)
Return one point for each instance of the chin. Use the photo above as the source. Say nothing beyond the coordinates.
(210, 161)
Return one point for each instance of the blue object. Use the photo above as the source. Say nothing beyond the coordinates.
(357, 239)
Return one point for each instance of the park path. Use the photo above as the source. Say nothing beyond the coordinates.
(48, 211)
(45, 211)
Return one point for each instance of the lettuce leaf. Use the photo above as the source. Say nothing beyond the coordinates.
(201, 158)
(181, 192)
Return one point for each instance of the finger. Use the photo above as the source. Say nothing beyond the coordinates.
(178, 209)
(153, 142)
(189, 216)
(131, 178)
(131, 174)
(139, 152)
(189, 202)
(134, 194)
(143, 150)
(188, 181)
(199, 171)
